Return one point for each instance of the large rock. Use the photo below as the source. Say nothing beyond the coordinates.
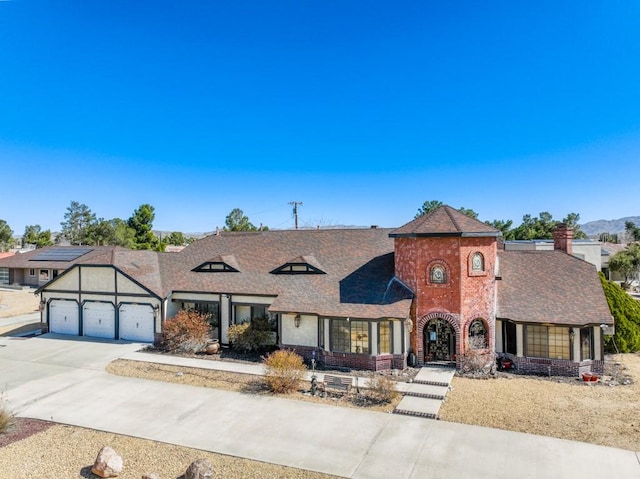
(199, 469)
(150, 476)
(108, 463)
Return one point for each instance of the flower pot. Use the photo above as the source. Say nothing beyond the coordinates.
(213, 347)
(594, 378)
(586, 377)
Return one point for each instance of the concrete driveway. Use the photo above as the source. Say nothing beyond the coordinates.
(63, 379)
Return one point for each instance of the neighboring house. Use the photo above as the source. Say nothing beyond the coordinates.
(588, 250)
(4, 272)
(35, 267)
(435, 289)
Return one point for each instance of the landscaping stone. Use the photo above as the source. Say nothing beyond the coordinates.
(108, 463)
(150, 476)
(199, 469)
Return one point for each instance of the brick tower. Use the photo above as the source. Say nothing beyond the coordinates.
(448, 259)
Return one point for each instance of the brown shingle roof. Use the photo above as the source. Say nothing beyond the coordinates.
(550, 287)
(358, 264)
(445, 221)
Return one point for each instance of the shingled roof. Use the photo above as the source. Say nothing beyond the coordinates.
(550, 287)
(445, 221)
(357, 264)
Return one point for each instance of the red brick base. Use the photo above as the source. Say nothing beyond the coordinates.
(351, 360)
(555, 367)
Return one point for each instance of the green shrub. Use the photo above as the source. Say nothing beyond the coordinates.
(381, 390)
(285, 370)
(187, 332)
(626, 315)
(247, 337)
(7, 418)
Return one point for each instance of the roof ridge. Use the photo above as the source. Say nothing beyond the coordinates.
(455, 223)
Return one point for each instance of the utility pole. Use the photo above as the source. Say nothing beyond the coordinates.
(295, 210)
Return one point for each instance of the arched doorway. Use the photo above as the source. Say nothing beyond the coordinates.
(439, 340)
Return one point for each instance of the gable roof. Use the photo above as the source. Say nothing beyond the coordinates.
(550, 287)
(445, 221)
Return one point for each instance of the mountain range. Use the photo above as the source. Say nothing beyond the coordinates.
(594, 228)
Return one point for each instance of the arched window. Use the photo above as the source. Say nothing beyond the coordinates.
(438, 274)
(477, 262)
(477, 335)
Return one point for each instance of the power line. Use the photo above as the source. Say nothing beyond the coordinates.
(295, 210)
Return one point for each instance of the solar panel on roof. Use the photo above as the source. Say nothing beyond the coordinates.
(61, 254)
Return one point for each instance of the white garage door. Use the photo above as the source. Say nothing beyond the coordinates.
(98, 320)
(64, 317)
(136, 322)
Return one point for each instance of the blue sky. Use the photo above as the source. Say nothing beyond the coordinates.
(362, 110)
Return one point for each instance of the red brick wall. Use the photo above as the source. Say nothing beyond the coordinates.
(466, 296)
(556, 367)
(352, 360)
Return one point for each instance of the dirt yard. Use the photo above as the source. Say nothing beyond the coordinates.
(603, 414)
(238, 382)
(17, 302)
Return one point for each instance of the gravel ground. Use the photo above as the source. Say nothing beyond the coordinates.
(67, 452)
(602, 413)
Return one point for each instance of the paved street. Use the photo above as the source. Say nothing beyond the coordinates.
(53, 377)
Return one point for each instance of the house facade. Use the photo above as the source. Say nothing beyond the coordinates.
(434, 290)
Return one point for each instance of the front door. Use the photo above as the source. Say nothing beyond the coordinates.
(439, 341)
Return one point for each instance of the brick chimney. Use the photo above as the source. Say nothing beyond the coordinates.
(563, 238)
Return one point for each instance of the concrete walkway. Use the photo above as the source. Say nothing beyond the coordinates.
(64, 380)
(422, 397)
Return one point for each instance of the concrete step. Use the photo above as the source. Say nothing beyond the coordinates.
(435, 376)
(423, 390)
(419, 407)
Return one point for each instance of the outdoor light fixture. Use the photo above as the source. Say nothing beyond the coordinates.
(572, 333)
(296, 320)
(43, 303)
(156, 308)
(409, 324)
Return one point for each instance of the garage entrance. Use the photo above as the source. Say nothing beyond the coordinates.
(99, 320)
(64, 317)
(136, 323)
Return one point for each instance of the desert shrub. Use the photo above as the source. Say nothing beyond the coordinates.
(285, 370)
(247, 337)
(7, 418)
(626, 316)
(187, 332)
(381, 390)
(478, 362)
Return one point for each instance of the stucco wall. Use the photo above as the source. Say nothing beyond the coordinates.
(304, 335)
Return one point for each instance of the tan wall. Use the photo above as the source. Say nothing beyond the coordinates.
(69, 280)
(304, 335)
(125, 285)
(97, 279)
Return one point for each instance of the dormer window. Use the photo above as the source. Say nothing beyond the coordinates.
(215, 267)
(297, 268)
(306, 264)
